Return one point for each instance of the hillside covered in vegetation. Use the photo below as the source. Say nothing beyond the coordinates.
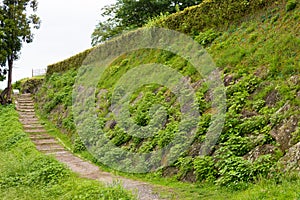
(255, 45)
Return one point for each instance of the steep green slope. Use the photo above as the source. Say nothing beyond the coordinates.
(258, 55)
(27, 174)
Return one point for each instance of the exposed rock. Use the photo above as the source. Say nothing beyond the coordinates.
(197, 84)
(272, 98)
(291, 160)
(228, 80)
(260, 150)
(262, 72)
(195, 149)
(102, 94)
(248, 113)
(138, 98)
(284, 108)
(110, 124)
(170, 171)
(208, 96)
(101, 97)
(282, 133)
(294, 80)
(189, 177)
(256, 139)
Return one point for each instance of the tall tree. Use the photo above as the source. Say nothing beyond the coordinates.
(128, 14)
(3, 70)
(17, 20)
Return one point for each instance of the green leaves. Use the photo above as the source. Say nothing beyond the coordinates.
(234, 170)
(205, 169)
(207, 37)
(291, 5)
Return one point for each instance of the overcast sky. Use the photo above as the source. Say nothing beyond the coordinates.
(66, 30)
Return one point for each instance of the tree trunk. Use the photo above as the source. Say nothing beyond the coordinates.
(9, 82)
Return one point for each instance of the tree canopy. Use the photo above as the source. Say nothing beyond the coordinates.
(129, 14)
(16, 24)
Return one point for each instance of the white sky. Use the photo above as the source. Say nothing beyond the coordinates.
(66, 30)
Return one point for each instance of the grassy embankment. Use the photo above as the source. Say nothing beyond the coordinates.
(256, 46)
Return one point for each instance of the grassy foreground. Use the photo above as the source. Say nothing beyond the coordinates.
(27, 174)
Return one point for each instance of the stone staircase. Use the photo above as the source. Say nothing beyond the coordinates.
(44, 142)
(49, 145)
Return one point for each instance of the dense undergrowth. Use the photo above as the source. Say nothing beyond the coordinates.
(259, 59)
(27, 174)
(29, 85)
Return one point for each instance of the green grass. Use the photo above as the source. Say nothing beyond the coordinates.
(27, 174)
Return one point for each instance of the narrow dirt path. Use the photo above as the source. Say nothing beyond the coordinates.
(50, 146)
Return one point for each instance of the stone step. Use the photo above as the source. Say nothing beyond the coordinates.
(27, 116)
(44, 141)
(30, 121)
(35, 131)
(40, 136)
(33, 126)
(26, 94)
(26, 111)
(24, 102)
(25, 107)
(50, 149)
(25, 99)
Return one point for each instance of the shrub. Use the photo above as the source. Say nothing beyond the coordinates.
(210, 14)
(46, 170)
(291, 5)
(207, 37)
(205, 169)
(78, 145)
(185, 165)
(238, 145)
(73, 62)
(234, 170)
(31, 85)
(263, 166)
